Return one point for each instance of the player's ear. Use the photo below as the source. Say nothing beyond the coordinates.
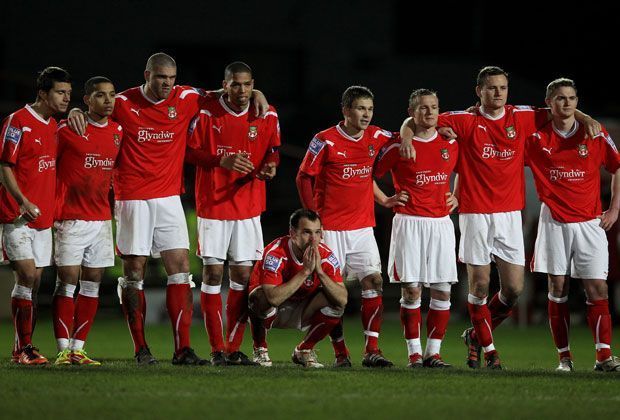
(224, 84)
(147, 75)
(478, 89)
(86, 100)
(548, 102)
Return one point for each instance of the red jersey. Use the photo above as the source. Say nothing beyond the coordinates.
(490, 168)
(342, 170)
(279, 265)
(84, 170)
(150, 162)
(427, 180)
(567, 170)
(220, 193)
(29, 144)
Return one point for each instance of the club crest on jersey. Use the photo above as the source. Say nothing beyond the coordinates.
(13, 134)
(511, 133)
(309, 281)
(117, 140)
(582, 150)
(444, 154)
(371, 150)
(252, 133)
(172, 112)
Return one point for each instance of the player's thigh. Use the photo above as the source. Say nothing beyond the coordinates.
(552, 250)
(214, 238)
(93, 274)
(362, 255)
(100, 251)
(135, 223)
(507, 233)
(246, 240)
(590, 254)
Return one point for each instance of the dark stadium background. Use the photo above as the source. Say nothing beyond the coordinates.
(304, 54)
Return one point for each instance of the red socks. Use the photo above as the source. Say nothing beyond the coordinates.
(236, 316)
(180, 309)
(211, 306)
(321, 323)
(372, 317)
(559, 322)
(481, 320)
(599, 321)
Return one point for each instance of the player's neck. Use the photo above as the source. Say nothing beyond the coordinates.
(351, 131)
(99, 119)
(149, 93)
(564, 124)
(234, 107)
(297, 251)
(492, 112)
(424, 133)
(42, 109)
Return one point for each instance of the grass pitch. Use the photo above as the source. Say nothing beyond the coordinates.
(527, 388)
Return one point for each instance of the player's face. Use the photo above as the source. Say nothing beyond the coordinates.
(563, 102)
(359, 115)
(160, 81)
(426, 112)
(58, 97)
(493, 93)
(239, 89)
(307, 233)
(101, 101)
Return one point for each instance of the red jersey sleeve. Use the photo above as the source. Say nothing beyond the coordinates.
(312, 164)
(461, 122)
(272, 266)
(330, 265)
(387, 158)
(611, 157)
(12, 133)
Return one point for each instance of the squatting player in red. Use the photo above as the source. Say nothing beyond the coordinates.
(491, 191)
(571, 238)
(83, 239)
(147, 185)
(298, 285)
(235, 152)
(27, 197)
(422, 244)
(335, 179)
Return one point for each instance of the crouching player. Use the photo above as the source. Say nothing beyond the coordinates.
(571, 238)
(83, 240)
(422, 245)
(297, 285)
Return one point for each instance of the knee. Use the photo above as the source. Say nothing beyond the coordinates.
(410, 294)
(372, 282)
(512, 291)
(212, 275)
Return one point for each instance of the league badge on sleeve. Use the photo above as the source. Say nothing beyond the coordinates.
(444, 154)
(13, 134)
(271, 263)
(172, 112)
(511, 133)
(252, 133)
(333, 261)
(583, 151)
(316, 146)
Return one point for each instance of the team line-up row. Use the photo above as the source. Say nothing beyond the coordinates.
(59, 175)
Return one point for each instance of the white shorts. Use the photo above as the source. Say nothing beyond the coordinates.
(86, 243)
(25, 243)
(422, 250)
(578, 250)
(147, 227)
(232, 240)
(289, 315)
(485, 235)
(3, 258)
(356, 251)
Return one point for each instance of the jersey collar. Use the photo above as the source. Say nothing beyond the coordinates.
(489, 117)
(143, 92)
(230, 111)
(570, 132)
(346, 136)
(36, 115)
(428, 140)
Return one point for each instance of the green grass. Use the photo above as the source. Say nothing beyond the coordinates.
(528, 388)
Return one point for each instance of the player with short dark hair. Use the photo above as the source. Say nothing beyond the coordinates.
(235, 153)
(298, 285)
(27, 198)
(422, 244)
(83, 239)
(335, 179)
(571, 240)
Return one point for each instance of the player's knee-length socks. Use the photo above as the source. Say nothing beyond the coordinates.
(179, 302)
(211, 307)
(372, 317)
(134, 308)
(559, 322)
(481, 320)
(21, 305)
(599, 321)
(321, 323)
(236, 315)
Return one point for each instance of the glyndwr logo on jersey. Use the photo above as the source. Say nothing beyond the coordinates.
(149, 134)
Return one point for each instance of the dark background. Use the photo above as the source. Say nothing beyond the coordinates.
(304, 54)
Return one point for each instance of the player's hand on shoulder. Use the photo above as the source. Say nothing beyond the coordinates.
(451, 201)
(267, 172)
(592, 127)
(608, 218)
(77, 121)
(237, 162)
(261, 106)
(447, 132)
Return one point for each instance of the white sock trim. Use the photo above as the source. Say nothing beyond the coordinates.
(123, 283)
(602, 346)
(410, 305)
(64, 289)
(211, 290)
(552, 298)
(433, 346)
(21, 292)
(489, 348)
(237, 286)
(371, 333)
(89, 288)
(331, 312)
(475, 300)
(567, 348)
(414, 345)
(178, 278)
(439, 305)
(368, 294)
